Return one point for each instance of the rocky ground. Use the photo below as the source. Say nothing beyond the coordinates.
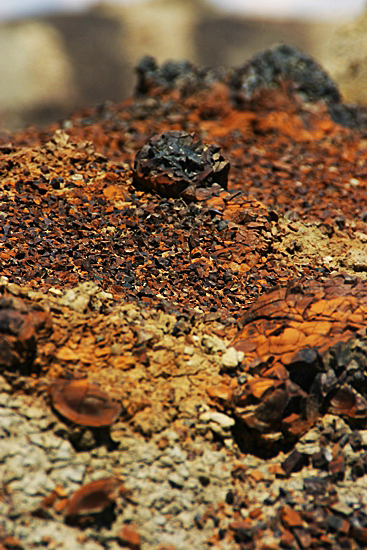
(182, 319)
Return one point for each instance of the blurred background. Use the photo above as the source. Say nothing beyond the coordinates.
(58, 55)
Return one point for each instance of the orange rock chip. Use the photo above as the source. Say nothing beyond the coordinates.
(83, 403)
(92, 498)
(291, 518)
(260, 386)
(129, 537)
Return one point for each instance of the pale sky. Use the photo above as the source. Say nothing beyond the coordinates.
(324, 9)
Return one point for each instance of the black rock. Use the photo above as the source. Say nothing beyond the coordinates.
(173, 164)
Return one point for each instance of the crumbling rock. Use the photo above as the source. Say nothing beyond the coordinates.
(305, 352)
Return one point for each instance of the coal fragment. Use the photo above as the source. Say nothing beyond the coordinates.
(204, 480)
(337, 468)
(350, 116)
(359, 534)
(315, 485)
(320, 460)
(173, 164)
(294, 462)
(336, 523)
(150, 75)
(355, 440)
(286, 67)
(242, 532)
(359, 467)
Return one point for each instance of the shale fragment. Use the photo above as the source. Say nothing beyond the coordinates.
(84, 404)
(91, 499)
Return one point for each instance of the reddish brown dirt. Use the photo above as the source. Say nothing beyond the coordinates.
(175, 279)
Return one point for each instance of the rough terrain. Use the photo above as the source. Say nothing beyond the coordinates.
(192, 346)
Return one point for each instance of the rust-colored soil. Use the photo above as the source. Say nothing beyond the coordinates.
(147, 295)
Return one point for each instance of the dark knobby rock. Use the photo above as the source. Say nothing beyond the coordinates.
(284, 64)
(181, 75)
(288, 69)
(173, 164)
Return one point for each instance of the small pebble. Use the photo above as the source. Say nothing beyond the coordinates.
(223, 420)
(231, 358)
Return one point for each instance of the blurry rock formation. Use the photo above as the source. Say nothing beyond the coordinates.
(35, 73)
(348, 59)
(51, 65)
